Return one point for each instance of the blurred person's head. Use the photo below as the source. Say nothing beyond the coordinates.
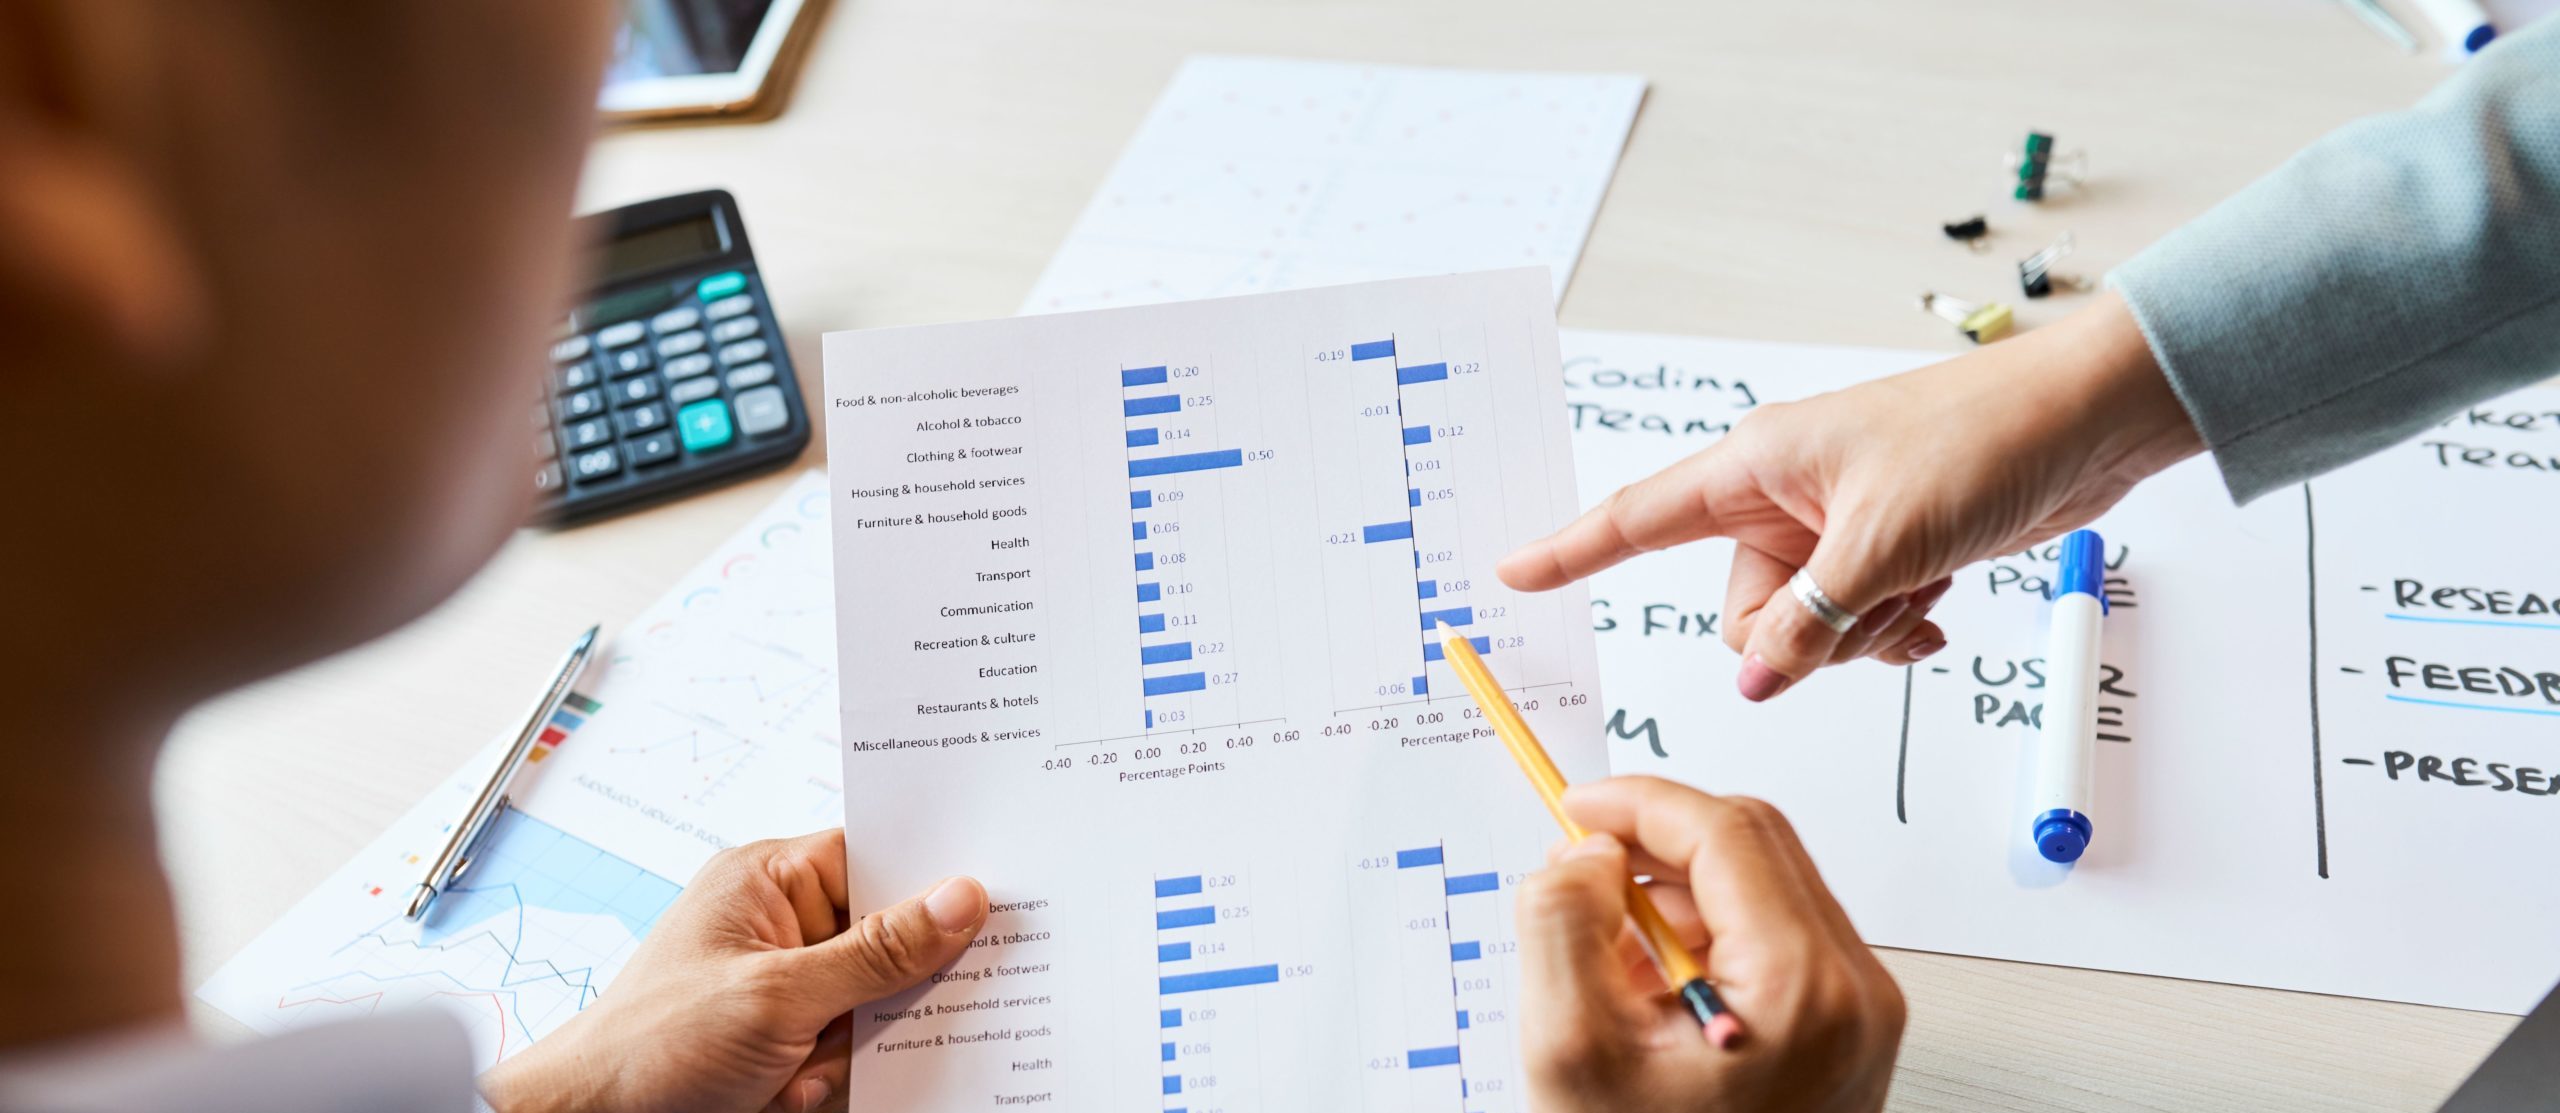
(275, 278)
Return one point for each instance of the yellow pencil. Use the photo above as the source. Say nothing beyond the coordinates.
(1679, 967)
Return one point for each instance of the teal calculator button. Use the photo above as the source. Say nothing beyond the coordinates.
(704, 425)
(721, 285)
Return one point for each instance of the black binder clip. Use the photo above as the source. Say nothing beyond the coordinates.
(1974, 233)
(2035, 272)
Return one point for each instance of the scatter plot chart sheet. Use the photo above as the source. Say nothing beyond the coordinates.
(708, 721)
(2329, 721)
(1145, 606)
(1260, 174)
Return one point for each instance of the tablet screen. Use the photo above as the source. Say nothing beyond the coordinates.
(683, 38)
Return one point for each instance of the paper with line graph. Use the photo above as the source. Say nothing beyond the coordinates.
(1148, 605)
(709, 721)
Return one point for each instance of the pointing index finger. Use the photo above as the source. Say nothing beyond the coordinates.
(1659, 511)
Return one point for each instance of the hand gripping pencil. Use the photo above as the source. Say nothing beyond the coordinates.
(1679, 967)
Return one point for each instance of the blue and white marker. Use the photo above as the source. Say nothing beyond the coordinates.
(2067, 748)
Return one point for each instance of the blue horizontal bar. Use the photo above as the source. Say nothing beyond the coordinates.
(1141, 438)
(1169, 1018)
(1151, 720)
(1458, 952)
(1137, 531)
(1421, 1057)
(1422, 685)
(1454, 616)
(1186, 917)
(1151, 624)
(1179, 682)
(1149, 593)
(1146, 562)
(1385, 531)
(1421, 373)
(1412, 497)
(1152, 404)
(1427, 589)
(1217, 979)
(1412, 859)
(1177, 886)
(1474, 883)
(1172, 952)
(1375, 349)
(1161, 654)
(1417, 434)
(1196, 461)
(1168, 1053)
(1142, 376)
(1431, 650)
(1173, 1084)
(1140, 500)
(1462, 1020)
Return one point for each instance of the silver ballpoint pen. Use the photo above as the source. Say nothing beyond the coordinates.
(492, 798)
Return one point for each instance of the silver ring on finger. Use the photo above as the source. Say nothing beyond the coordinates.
(1824, 611)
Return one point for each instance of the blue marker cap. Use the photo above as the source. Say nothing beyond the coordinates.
(2062, 835)
(2084, 567)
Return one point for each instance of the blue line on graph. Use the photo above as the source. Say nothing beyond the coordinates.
(1428, 589)
(1169, 1018)
(1417, 858)
(1474, 883)
(1140, 500)
(1194, 461)
(1177, 886)
(1417, 434)
(1421, 1057)
(1141, 438)
(1466, 952)
(1385, 531)
(1186, 917)
(1172, 952)
(1421, 373)
(2474, 622)
(1142, 376)
(2473, 706)
(1149, 593)
(1431, 650)
(1171, 984)
(1151, 624)
(1164, 654)
(1374, 349)
(1151, 404)
(1179, 682)
(1454, 616)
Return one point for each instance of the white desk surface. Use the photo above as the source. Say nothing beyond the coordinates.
(1785, 181)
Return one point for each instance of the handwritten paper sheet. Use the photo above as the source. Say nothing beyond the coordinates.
(1260, 174)
(2332, 716)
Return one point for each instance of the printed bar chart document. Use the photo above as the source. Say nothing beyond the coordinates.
(1139, 613)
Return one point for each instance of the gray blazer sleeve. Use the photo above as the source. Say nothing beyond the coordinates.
(2393, 272)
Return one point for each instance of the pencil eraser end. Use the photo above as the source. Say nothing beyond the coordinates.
(1724, 1031)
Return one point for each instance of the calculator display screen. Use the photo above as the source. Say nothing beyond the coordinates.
(659, 246)
(682, 38)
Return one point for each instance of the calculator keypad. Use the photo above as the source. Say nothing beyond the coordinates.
(635, 396)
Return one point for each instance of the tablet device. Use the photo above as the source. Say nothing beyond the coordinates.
(699, 57)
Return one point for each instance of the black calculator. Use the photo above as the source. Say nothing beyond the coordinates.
(673, 375)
